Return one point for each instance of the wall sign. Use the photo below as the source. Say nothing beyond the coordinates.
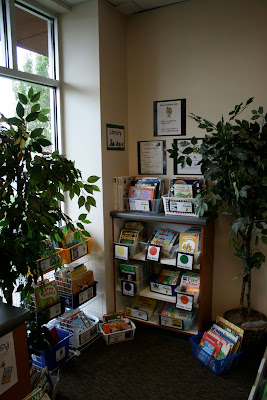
(115, 137)
(170, 117)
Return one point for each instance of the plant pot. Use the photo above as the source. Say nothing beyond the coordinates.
(255, 333)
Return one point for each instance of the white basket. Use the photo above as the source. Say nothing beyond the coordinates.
(79, 339)
(178, 206)
(116, 337)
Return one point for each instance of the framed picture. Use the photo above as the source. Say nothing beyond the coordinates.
(193, 169)
(115, 137)
(152, 157)
(170, 117)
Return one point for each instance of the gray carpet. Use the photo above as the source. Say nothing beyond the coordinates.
(155, 365)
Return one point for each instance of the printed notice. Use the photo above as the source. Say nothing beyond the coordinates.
(152, 157)
(8, 367)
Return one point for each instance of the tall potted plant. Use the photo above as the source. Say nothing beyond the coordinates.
(34, 184)
(234, 164)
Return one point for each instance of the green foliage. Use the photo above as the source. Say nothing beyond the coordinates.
(33, 184)
(234, 164)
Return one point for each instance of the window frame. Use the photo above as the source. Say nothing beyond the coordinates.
(9, 48)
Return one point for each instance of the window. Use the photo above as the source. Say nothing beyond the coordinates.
(28, 58)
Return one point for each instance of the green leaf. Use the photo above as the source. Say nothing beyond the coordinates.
(188, 161)
(85, 233)
(44, 142)
(42, 118)
(80, 225)
(81, 201)
(22, 98)
(32, 116)
(254, 112)
(92, 179)
(20, 110)
(65, 230)
(194, 140)
(255, 117)
(91, 201)
(35, 97)
(260, 110)
(37, 132)
(250, 100)
(45, 111)
(14, 121)
(95, 188)
(30, 92)
(82, 217)
(35, 107)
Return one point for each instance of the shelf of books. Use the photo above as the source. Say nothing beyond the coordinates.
(163, 269)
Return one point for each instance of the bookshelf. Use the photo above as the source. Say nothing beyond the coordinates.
(204, 266)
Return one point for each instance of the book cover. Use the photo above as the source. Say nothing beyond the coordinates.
(190, 283)
(164, 237)
(168, 277)
(169, 310)
(189, 242)
(183, 191)
(82, 282)
(36, 394)
(216, 343)
(46, 295)
(76, 272)
(141, 193)
(144, 304)
(129, 236)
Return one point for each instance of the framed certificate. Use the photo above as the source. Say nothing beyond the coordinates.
(170, 117)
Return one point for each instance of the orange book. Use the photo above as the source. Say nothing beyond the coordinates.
(82, 282)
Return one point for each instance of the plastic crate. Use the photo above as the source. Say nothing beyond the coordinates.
(116, 337)
(75, 300)
(154, 206)
(54, 311)
(178, 206)
(79, 339)
(218, 367)
(74, 252)
(46, 264)
(162, 288)
(132, 288)
(56, 355)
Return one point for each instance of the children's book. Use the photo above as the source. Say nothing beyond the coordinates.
(36, 394)
(168, 277)
(190, 283)
(82, 282)
(183, 191)
(46, 295)
(166, 238)
(129, 236)
(124, 182)
(144, 304)
(141, 193)
(215, 342)
(189, 242)
(169, 310)
(195, 182)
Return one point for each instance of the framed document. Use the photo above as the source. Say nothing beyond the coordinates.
(170, 117)
(152, 157)
(194, 168)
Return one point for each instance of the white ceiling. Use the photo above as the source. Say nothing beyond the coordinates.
(130, 7)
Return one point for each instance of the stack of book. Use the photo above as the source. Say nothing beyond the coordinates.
(168, 277)
(116, 322)
(75, 322)
(74, 279)
(185, 187)
(131, 233)
(222, 340)
(144, 304)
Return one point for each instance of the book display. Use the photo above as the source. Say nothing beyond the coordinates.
(176, 289)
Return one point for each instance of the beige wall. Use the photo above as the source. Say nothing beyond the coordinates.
(212, 54)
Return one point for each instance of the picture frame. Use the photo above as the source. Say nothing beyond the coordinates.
(152, 157)
(193, 169)
(170, 117)
(115, 137)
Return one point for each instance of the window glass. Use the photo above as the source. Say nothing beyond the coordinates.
(32, 43)
(9, 89)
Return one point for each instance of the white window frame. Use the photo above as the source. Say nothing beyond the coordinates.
(9, 44)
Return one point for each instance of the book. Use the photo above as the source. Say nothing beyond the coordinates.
(78, 270)
(196, 183)
(183, 191)
(215, 342)
(82, 282)
(115, 192)
(169, 310)
(124, 182)
(168, 277)
(46, 295)
(141, 193)
(129, 236)
(36, 394)
(144, 304)
(189, 242)
(157, 182)
(165, 238)
(133, 272)
(189, 284)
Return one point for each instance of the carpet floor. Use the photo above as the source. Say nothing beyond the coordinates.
(155, 365)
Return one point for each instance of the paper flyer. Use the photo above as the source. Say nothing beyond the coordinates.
(8, 366)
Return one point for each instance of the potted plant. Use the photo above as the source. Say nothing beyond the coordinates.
(234, 162)
(34, 183)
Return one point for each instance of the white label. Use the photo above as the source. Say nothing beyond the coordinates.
(55, 310)
(185, 261)
(60, 354)
(86, 295)
(8, 366)
(139, 205)
(184, 301)
(136, 313)
(45, 264)
(121, 252)
(78, 251)
(118, 337)
(160, 288)
(181, 206)
(128, 288)
(153, 252)
(172, 322)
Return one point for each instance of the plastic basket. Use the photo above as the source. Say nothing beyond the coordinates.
(218, 367)
(54, 311)
(154, 206)
(178, 206)
(74, 252)
(75, 300)
(116, 337)
(56, 355)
